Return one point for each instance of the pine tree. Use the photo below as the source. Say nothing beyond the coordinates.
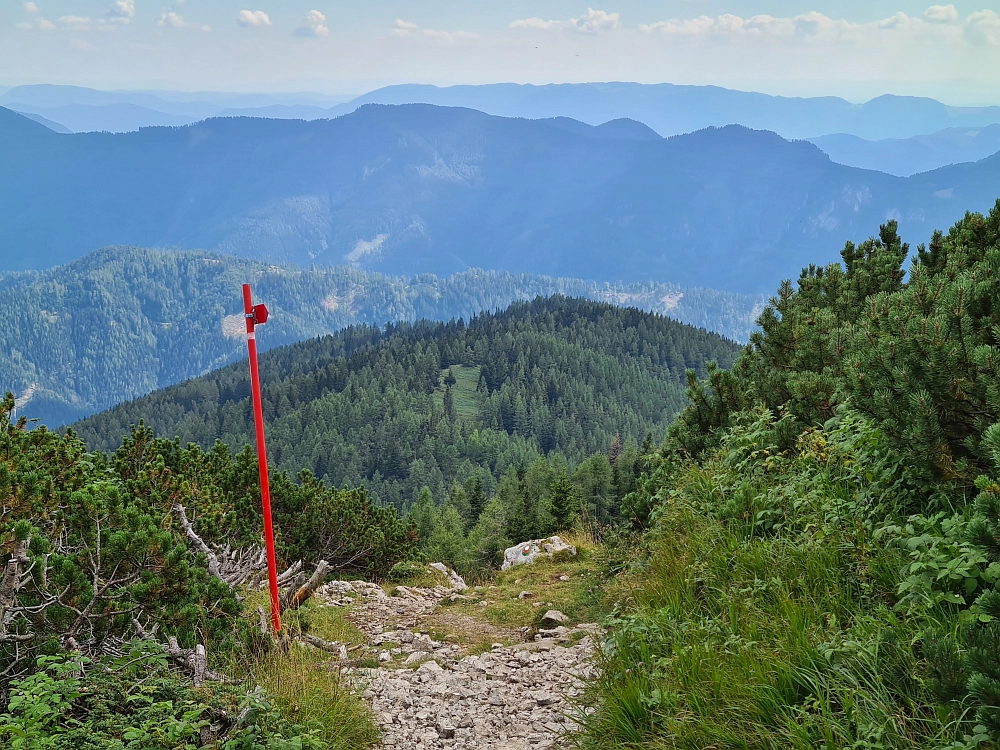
(424, 515)
(564, 503)
(982, 660)
(449, 404)
(446, 542)
(522, 523)
(477, 497)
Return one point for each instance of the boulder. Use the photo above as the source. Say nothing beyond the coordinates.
(525, 553)
(554, 617)
(454, 579)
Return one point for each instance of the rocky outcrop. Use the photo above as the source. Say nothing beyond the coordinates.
(454, 579)
(526, 553)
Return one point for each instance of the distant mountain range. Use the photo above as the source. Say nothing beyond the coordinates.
(424, 189)
(124, 321)
(666, 108)
(908, 156)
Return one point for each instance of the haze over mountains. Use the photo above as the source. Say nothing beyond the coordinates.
(907, 156)
(424, 189)
(895, 134)
(667, 108)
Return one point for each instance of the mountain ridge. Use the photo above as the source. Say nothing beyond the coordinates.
(668, 108)
(123, 321)
(418, 188)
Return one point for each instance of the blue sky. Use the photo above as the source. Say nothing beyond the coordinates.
(847, 48)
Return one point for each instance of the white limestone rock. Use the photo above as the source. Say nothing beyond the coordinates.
(526, 553)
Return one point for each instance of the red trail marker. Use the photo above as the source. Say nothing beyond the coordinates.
(257, 315)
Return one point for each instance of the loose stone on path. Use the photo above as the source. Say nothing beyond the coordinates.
(519, 697)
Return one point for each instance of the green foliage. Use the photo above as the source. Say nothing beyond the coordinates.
(113, 708)
(92, 554)
(366, 406)
(765, 609)
(918, 357)
(565, 503)
(813, 574)
(124, 321)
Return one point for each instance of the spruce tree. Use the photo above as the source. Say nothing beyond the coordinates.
(477, 497)
(449, 404)
(424, 515)
(564, 502)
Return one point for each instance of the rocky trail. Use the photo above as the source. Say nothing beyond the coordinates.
(440, 681)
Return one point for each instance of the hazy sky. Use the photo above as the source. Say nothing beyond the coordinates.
(851, 48)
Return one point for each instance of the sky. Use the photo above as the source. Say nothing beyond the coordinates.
(857, 49)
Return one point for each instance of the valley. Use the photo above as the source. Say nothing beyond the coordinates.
(121, 322)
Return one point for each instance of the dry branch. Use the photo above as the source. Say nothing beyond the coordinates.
(302, 593)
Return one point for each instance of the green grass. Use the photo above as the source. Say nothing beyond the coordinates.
(582, 598)
(305, 683)
(466, 398)
(736, 637)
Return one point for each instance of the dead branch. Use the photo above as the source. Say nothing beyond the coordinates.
(331, 646)
(303, 592)
(232, 567)
(292, 571)
(194, 661)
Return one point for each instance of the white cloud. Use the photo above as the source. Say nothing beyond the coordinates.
(591, 22)
(82, 45)
(983, 27)
(23, 25)
(169, 18)
(596, 20)
(121, 12)
(941, 14)
(254, 18)
(78, 23)
(730, 24)
(405, 29)
(30, 7)
(315, 25)
(816, 25)
(46, 25)
(175, 20)
(539, 24)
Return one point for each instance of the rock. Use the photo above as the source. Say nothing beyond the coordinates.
(560, 631)
(554, 617)
(525, 595)
(563, 578)
(415, 658)
(525, 553)
(512, 697)
(445, 728)
(544, 698)
(454, 579)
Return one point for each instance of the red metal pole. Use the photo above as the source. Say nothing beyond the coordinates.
(265, 490)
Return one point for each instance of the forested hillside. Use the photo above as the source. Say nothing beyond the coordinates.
(124, 321)
(439, 404)
(423, 189)
(817, 547)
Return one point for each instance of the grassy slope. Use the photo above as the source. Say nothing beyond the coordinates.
(765, 613)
